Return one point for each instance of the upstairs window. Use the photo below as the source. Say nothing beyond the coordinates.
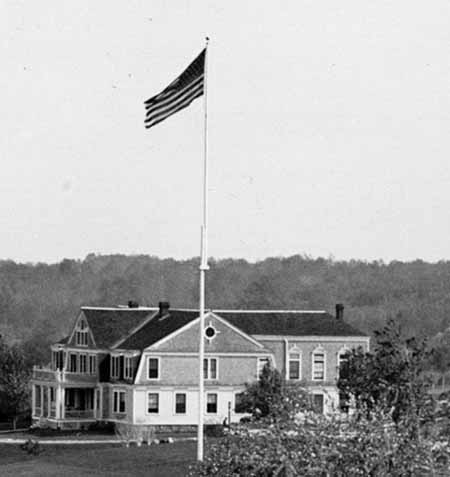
(318, 365)
(153, 368)
(72, 363)
(295, 365)
(210, 368)
(342, 358)
(116, 367)
(261, 363)
(58, 360)
(92, 364)
(81, 334)
(83, 363)
(128, 368)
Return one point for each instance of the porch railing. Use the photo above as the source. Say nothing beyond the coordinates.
(48, 374)
(77, 414)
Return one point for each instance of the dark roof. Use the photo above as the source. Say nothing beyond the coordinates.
(109, 325)
(158, 328)
(289, 323)
(63, 340)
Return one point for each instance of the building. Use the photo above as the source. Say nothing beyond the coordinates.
(139, 365)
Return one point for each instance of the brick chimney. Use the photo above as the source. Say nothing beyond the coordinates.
(164, 308)
(339, 312)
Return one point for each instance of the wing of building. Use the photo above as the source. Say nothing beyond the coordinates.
(140, 365)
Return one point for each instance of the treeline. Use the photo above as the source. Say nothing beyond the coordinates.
(38, 302)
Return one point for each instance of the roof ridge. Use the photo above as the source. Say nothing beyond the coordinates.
(270, 311)
(116, 308)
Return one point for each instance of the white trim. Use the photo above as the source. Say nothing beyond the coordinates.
(315, 338)
(159, 402)
(317, 350)
(135, 329)
(148, 378)
(139, 368)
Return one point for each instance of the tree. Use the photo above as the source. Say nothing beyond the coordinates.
(392, 376)
(14, 381)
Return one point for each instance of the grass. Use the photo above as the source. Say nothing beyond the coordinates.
(164, 460)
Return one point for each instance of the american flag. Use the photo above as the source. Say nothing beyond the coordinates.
(179, 94)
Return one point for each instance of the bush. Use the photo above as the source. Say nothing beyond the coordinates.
(317, 446)
(32, 447)
(214, 430)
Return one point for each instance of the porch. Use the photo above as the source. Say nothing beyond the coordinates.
(57, 404)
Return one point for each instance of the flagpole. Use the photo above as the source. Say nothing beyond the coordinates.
(203, 268)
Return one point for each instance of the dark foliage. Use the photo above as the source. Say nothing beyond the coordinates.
(39, 302)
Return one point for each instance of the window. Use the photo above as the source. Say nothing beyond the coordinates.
(58, 360)
(261, 363)
(83, 363)
(128, 367)
(92, 364)
(342, 358)
(116, 366)
(238, 403)
(318, 403)
(119, 402)
(52, 394)
(153, 368)
(210, 368)
(72, 363)
(180, 403)
(294, 365)
(153, 403)
(81, 338)
(211, 403)
(37, 395)
(318, 370)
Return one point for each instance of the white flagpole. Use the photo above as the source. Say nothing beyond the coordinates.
(203, 267)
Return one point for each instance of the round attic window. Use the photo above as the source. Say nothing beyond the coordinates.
(210, 332)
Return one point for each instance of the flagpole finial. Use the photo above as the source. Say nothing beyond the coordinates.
(207, 39)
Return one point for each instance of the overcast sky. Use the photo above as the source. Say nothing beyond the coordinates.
(329, 129)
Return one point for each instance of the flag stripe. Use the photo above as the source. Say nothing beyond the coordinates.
(179, 94)
(168, 112)
(161, 100)
(189, 96)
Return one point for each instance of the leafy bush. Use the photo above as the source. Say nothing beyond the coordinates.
(313, 445)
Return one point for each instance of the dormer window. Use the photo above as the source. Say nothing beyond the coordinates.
(81, 334)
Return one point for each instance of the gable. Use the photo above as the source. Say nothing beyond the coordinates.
(225, 338)
(81, 335)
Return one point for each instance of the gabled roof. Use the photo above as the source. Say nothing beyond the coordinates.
(109, 325)
(158, 328)
(138, 328)
(288, 323)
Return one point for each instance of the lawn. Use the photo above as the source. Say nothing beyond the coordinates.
(163, 460)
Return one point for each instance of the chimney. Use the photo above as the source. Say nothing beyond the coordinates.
(133, 304)
(164, 308)
(339, 312)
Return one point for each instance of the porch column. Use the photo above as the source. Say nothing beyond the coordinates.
(42, 400)
(58, 402)
(101, 402)
(63, 403)
(49, 402)
(33, 400)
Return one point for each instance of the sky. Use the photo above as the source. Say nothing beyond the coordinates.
(328, 129)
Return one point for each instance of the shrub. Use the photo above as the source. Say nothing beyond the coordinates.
(320, 446)
(31, 446)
